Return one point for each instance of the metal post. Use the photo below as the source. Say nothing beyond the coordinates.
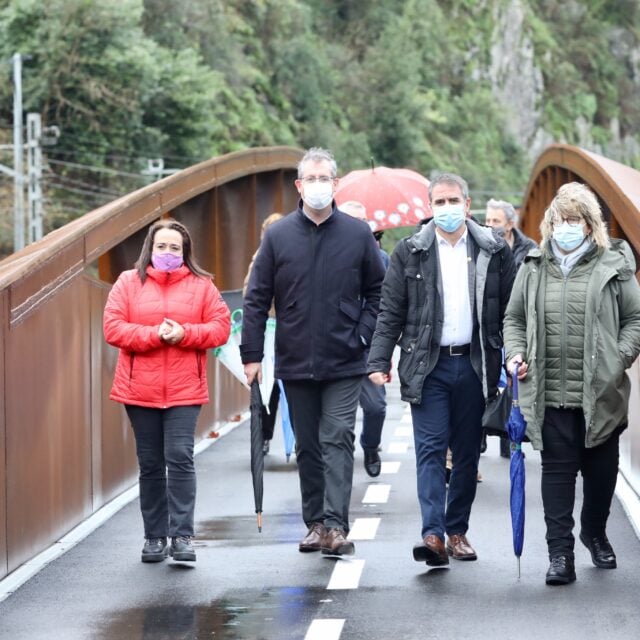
(18, 194)
(34, 173)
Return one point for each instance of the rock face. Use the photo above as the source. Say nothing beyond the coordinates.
(516, 81)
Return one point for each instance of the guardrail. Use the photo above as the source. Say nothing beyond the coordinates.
(67, 449)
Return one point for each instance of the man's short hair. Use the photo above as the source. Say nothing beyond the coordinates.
(318, 154)
(355, 209)
(504, 206)
(449, 178)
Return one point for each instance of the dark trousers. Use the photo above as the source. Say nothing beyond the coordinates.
(269, 417)
(323, 415)
(164, 445)
(563, 455)
(449, 415)
(373, 401)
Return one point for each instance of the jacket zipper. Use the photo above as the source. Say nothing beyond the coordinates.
(563, 340)
(314, 316)
(166, 349)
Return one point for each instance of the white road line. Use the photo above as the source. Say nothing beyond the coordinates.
(406, 418)
(403, 432)
(346, 574)
(326, 629)
(397, 447)
(390, 467)
(377, 494)
(364, 529)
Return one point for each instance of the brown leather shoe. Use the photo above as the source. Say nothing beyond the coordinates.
(459, 548)
(335, 543)
(313, 540)
(431, 551)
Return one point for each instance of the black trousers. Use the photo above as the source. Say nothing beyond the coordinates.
(323, 415)
(164, 445)
(269, 417)
(564, 454)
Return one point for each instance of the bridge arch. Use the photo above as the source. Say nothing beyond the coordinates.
(616, 186)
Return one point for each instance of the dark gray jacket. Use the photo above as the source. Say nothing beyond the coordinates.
(412, 312)
(521, 246)
(325, 282)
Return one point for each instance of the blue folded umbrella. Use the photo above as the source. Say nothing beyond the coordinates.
(516, 427)
(287, 429)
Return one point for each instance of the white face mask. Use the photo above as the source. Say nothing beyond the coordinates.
(317, 195)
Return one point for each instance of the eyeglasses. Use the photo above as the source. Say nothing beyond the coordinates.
(320, 179)
(574, 221)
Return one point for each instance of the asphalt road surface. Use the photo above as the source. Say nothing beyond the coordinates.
(250, 585)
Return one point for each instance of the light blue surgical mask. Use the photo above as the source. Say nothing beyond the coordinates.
(568, 236)
(448, 217)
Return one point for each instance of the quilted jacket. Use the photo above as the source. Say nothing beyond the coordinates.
(150, 372)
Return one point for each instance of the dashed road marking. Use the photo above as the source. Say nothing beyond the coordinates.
(390, 467)
(377, 494)
(406, 418)
(346, 574)
(403, 432)
(397, 447)
(325, 629)
(364, 529)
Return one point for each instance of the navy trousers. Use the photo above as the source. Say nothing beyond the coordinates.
(373, 401)
(449, 415)
(164, 445)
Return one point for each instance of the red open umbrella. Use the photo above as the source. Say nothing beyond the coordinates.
(392, 197)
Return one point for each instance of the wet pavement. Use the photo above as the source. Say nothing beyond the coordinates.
(250, 585)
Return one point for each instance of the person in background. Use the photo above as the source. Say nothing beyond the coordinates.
(572, 327)
(372, 396)
(163, 315)
(317, 265)
(502, 217)
(443, 301)
(268, 416)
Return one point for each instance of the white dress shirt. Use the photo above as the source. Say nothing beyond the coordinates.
(454, 270)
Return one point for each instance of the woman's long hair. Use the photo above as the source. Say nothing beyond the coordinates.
(575, 200)
(144, 259)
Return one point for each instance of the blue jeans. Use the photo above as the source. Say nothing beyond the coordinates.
(164, 445)
(449, 415)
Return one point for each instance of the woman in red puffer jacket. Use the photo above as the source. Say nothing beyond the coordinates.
(163, 315)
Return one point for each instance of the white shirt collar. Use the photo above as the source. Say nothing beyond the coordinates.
(461, 240)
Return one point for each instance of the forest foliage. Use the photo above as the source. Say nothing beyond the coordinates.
(402, 82)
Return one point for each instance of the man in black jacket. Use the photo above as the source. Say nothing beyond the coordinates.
(322, 269)
(443, 302)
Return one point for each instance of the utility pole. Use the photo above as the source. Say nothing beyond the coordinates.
(34, 175)
(18, 178)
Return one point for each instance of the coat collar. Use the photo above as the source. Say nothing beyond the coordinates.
(481, 235)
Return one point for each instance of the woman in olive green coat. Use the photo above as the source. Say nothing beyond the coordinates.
(573, 326)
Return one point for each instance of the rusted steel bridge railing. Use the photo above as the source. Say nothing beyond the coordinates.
(66, 448)
(618, 189)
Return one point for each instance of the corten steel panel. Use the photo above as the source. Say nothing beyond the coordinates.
(115, 466)
(234, 211)
(227, 398)
(4, 323)
(48, 422)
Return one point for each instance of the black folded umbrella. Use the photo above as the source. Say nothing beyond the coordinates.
(257, 455)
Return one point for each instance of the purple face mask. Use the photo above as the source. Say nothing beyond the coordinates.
(166, 261)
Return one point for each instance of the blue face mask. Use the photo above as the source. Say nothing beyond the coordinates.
(448, 217)
(568, 236)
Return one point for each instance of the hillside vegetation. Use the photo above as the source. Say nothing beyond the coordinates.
(474, 86)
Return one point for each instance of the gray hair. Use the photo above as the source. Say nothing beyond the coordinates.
(318, 154)
(449, 178)
(575, 199)
(506, 207)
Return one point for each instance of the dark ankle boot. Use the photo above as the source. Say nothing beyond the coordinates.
(561, 570)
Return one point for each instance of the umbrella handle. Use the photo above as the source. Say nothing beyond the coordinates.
(514, 383)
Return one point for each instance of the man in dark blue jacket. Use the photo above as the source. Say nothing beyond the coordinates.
(322, 270)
